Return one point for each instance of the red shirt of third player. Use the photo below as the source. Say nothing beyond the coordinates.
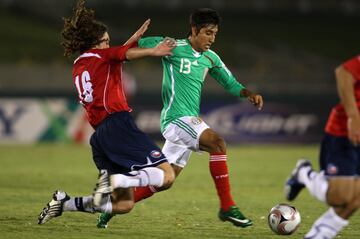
(337, 122)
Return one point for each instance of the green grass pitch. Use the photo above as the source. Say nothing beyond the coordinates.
(29, 175)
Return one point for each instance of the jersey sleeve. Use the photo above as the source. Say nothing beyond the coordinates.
(149, 42)
(118, 53)
(224, 76)
(353, 66)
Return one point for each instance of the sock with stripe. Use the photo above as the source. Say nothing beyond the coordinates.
(85, 204)
(220, 175)
(82, 204)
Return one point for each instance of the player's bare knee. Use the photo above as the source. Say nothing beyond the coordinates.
(341, 192)
(336, 199)
(169, 178)
(218, 145)
(166, 186)
(123, 206)
(169, 175)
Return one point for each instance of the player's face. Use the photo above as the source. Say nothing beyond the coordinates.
(104, 42)
(203, 40)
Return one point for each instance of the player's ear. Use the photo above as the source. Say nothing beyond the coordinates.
(194, 31)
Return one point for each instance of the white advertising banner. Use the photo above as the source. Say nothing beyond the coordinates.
(28, 120)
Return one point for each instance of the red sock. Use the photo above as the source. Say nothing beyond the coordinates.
(220, 174)
(141, 193)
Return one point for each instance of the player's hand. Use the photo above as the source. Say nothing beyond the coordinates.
(256, 100)
(354, 130)
(139, 33)
(253, 98)
(165, 47)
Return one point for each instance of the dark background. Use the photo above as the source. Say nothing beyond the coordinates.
(285, 49)
(281, 48)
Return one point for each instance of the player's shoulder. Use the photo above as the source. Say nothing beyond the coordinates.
(153, 38)
(92, 54)
(213, 56)
(211, 53)
(182, 42)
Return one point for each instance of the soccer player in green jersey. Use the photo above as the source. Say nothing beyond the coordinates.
(183, 78)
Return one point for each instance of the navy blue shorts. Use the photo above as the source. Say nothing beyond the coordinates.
(119, 146)
(339, 157)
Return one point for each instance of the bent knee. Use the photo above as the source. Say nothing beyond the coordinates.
(218, 145)
(166, 186)
(338, 200)
(169, 174)
(342, 191)
(169, 179)
(123, 206)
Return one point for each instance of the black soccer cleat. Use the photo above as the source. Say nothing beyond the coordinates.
(54, 208)
(293, 186)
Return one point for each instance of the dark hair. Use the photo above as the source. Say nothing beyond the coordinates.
(81, 31)
(204, 17)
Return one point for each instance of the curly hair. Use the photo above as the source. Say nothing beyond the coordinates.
(81, 31)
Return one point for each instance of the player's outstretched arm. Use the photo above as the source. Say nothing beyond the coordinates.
(164, 48)
(138, 34)
(253, 98)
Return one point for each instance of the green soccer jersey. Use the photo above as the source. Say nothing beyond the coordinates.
(183, 77)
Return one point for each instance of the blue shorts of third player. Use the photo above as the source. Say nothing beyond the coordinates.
(339, 157)
(119, 146)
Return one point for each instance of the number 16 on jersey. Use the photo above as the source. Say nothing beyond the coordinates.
(85, 88)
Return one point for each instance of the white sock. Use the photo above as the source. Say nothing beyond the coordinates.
(149, 176)
(327, 226)
(85, 204)
(82, 204)
(315, 182)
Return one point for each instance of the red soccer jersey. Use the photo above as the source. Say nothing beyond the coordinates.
(97, 77)
(337, 122)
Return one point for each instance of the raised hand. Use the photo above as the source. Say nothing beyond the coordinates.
(138, 34)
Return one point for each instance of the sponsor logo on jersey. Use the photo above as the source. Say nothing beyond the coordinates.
(331, 169)
(196, 120)
(155, 154)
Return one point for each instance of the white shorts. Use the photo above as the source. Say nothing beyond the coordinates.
(182, 137)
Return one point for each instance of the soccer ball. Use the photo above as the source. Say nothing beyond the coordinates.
(284, 219)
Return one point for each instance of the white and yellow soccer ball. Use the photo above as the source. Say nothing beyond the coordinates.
(284, 219)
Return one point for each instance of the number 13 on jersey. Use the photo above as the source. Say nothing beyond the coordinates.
(185, 66)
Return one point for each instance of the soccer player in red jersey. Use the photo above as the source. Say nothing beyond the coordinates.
(338, 182)
(124, 155)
